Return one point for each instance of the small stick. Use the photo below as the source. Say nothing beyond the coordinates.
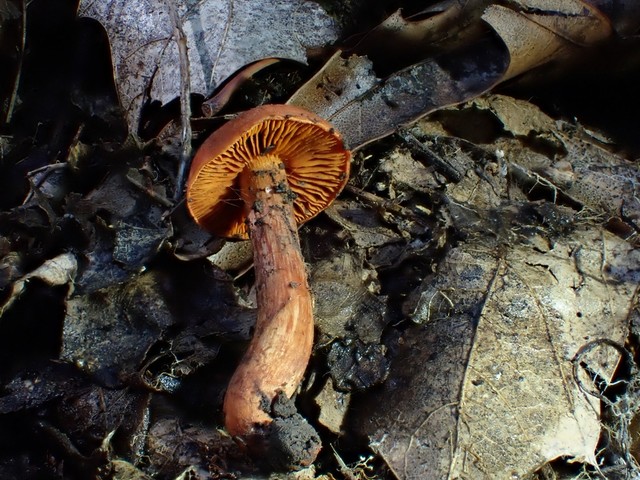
(185, 102)
(16, 81)
(149, 191)
(420, 149)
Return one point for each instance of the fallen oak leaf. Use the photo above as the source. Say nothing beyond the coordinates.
(525, 35)
(372, 108)
(221, 38)
(497, 336)
(537, 37)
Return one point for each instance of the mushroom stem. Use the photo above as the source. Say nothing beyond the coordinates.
(279, 351)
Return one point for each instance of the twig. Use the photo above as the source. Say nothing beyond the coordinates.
(420, 149)
(16, 82)
(185, 100)
(380, 203)
(149, 191)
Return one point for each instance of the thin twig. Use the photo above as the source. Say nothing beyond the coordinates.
(185, 100)
(420, 149)
(16, 82)
(149, 191)
(380, 203)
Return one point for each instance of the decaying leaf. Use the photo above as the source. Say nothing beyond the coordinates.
(604, 183)
(60, 270)
(333, 406)
(196, 451)
(545, 30)
(135, 313)
(372, 108)
(533, 283)
(365, 107)
(516, 404)
(516, 116)
(344, 301)
(520, 405)
(222, 37)
(364, 225)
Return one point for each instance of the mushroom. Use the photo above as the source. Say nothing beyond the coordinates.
(257, 177)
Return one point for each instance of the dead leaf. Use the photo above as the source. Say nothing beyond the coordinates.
(365, 108)
(545, 30)
(198, 451)
(60, 270)
(519, 392)
(529, 287)
(364, 225)
(333, 406)
(222, 37)
(517, 117)
(582, 170)
(35, 388)
(136, 314)
(124, 470)
(344, 303)
(516, 404)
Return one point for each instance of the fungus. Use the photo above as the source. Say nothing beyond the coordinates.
(259, 176)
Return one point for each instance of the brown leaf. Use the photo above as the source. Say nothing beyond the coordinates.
(553, 31)
(222, 37)
(526, 35)
(60, 270)
(365, 108)
(605, 183)
(515, 405)
(136, 314)
(486, 386)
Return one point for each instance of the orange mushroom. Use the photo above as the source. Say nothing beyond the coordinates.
(258, 176)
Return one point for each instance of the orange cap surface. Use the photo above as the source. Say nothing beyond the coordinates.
(313, 153)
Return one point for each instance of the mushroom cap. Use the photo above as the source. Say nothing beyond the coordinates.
(313, 153)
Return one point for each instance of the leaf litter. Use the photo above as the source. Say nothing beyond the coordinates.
(474, 295)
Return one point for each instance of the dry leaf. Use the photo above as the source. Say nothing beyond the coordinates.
(365, 108)
(528, 34)
(516, 404)
(222, 37)
(520, 406)
(555, 30)
(333, 406)
(135, 313)
(517, 117)
(60, 270)
(344, 305)
(606, 184)
(485, 387)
